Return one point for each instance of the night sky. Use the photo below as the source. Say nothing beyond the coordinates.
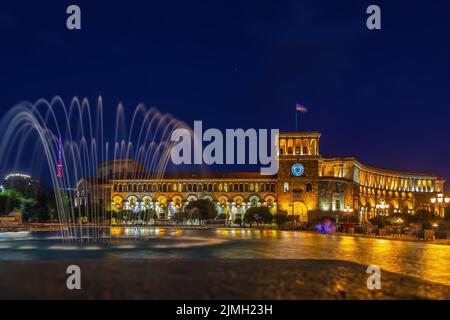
(382, 96)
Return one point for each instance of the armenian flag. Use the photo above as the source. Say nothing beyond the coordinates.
(300, 108)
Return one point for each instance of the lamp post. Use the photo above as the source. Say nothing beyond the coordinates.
(384, 207)
(440, 202)
(348, 211)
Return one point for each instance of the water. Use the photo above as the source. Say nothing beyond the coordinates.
(424, 260)
(65, 142)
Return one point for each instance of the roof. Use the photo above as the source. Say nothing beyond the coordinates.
(375, 170)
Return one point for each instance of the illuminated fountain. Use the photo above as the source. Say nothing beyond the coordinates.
(69, 141)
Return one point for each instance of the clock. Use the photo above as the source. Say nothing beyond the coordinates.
(297, 170)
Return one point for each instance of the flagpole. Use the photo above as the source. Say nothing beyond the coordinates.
(300, 120)
(296, 120)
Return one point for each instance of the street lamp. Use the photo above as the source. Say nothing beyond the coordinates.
(440, 202)
(384, 207)
(348, 211)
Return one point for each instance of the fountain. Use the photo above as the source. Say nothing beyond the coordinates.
(69, 141)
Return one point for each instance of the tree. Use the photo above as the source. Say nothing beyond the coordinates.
(281, 219)
(260, 213)
(179, 216)
(426, 225)
(423, 216)
(250, 218)
(8, 203)
(380, 221)
(202, 209)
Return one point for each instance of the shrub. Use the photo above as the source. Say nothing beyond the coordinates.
(201, 209)
(260, 213)
(281, 219)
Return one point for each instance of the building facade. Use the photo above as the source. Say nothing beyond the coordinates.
(306, 186)
(26, 184)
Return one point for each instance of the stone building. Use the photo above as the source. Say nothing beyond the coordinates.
(306, 186)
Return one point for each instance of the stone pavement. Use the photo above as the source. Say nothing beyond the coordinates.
(208, 279)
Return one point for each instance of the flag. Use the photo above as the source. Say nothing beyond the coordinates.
(300, 108)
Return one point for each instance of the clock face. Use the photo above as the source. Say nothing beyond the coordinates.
(297, 170)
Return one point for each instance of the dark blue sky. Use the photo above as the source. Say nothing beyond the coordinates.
(381, 96)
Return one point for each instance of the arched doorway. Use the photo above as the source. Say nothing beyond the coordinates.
(269, 201)
(116, 204)
(161, 206)
(406, 207)
(237, 207)
(223, 205)
(300, 210)
(253, 200)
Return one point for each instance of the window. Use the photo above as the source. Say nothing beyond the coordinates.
(286, 187)
(309, 187)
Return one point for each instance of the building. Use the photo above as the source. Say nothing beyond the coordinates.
(306, 186)
(27, 185)
(12, 221)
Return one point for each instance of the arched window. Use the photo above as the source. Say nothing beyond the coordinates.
(309, 187)
(286, 187)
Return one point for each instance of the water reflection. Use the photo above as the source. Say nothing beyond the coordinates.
(424, 260)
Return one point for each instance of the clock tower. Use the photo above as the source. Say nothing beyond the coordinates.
(298, 174)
